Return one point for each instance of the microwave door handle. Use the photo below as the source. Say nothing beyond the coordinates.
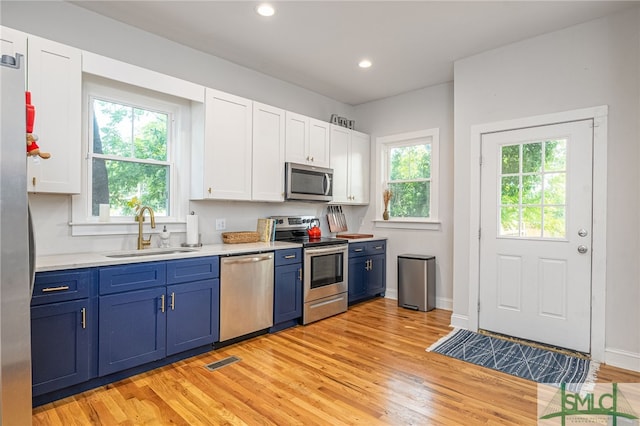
(327, 180)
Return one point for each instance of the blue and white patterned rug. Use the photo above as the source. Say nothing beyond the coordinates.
(527, 362)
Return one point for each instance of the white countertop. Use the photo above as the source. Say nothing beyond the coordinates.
(87, 260)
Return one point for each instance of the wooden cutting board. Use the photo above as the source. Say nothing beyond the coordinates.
(354, 236)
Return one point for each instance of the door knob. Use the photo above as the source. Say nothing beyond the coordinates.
(583, 232)
(582, 249)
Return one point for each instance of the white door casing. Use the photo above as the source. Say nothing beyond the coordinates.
(470, 318)
(535, 257)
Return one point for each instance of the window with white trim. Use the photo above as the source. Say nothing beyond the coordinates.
(410, 172)
(133, 148)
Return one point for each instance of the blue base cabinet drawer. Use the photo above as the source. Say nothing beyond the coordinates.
(186, 270)
(59, 286)
(137, 276)
(287, 256)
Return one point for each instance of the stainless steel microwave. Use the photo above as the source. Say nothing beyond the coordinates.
(308, 183)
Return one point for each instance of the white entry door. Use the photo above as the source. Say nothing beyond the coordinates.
(535, 237)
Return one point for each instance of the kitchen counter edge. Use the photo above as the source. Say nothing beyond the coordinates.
(59, 262)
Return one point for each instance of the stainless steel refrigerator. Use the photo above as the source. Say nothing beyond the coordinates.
(16, 248)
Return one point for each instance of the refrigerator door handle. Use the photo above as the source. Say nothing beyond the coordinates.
(32, 252)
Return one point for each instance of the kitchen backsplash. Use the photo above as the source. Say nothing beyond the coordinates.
(52, 214)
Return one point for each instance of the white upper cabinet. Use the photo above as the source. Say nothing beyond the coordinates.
(307, 140)
(268, 153)
(350, 163)
(222, 150)
(54, 76)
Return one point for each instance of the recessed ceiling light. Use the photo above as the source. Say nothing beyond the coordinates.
(365, 63)
(265, 10)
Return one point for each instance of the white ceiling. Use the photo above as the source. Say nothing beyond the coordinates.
(317, 44)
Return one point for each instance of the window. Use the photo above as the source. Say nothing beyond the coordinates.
(533, 189)
(134, 149)
(129, 157)
(410, 171)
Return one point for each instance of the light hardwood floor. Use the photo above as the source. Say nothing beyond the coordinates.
(366, 367)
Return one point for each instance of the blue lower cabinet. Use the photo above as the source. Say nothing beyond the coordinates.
(377, 275)
(367, 270)
(287, 303)
(60, 345)
(132, 329)
(192, 315)
(357, 278)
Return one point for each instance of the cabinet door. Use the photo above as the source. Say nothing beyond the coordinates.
(55, 82)
(192, 315)
(60, 336)
(296, 137)
(376, 275)
(359, 159)
(228, 122)
(357, 279)
(132, 329)
(268, 153)
(318, 147)
(340, 145)
(12, 42)
(287, 304)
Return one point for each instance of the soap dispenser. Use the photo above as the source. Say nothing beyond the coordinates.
(164, 237)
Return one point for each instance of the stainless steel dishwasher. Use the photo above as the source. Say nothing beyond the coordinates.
(246, 294)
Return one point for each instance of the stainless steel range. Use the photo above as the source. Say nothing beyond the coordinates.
(325, 268)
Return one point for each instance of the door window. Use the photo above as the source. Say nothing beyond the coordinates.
(532, 183)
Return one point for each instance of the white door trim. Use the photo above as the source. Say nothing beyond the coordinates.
(599, 231)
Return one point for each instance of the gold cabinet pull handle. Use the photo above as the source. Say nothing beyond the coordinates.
(33, 181)
(173, 301)
(60, 288)
(84, 317)
(291, 256)
(358, 250)
(162, 303)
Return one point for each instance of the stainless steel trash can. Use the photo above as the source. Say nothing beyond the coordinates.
(417, 281)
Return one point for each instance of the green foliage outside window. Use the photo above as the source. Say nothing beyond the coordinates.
(129, 158)
(533, 189)
(410, 181)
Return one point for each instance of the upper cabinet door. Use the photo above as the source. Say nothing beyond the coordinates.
(319, 142)
(12, 42)
(359, 167)
(227, 146)
(340, 141)
(297, 135)
(350, 164)
(268, 153)
(54, 78)
(307, 140)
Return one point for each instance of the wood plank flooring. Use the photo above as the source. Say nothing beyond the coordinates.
(365, 367)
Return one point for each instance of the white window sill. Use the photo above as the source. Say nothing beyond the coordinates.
(430, 225)
(124, 227)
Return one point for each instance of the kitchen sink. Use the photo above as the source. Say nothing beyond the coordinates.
(152, 252)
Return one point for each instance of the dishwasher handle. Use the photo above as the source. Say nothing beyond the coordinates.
(247, 259)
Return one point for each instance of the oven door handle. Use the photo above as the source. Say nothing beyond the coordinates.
(330, 249)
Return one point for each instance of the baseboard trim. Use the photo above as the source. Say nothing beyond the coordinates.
(622, 359)
(460, 321)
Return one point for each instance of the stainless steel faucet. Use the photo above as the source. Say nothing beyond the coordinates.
(142, 243)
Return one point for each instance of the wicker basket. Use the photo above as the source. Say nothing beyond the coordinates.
(240, 237)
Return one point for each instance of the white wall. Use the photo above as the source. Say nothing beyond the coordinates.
(77, 27)
(596, 63)
(427, 108)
